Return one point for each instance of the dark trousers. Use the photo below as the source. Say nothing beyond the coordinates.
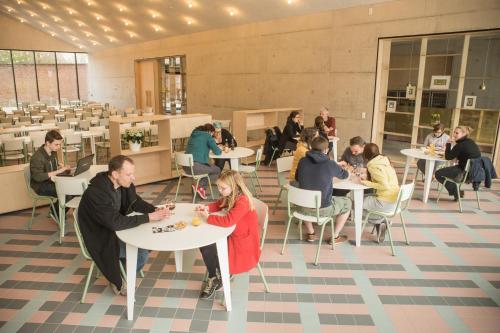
(49, 189)
(210, 258)
(453, 172)
(221, 162)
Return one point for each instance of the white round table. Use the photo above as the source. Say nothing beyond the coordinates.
(430, 162)
(190, 237)
(234, 156)
(358, 191)
(334, 140)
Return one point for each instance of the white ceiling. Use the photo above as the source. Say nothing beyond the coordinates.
(97, 24)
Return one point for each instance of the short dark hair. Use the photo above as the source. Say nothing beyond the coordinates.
(53, 135)
(116, 163)
(371, 151)
(307, 135)
(319, 143)
(438, 127)
(319, 122)
(292, 115)
(209, 127)
(357, 140)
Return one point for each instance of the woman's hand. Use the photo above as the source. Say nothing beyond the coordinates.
(203, 213)
(200, 208)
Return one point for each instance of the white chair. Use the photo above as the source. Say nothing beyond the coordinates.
(186, 160)
(35, 197)
(283, 165)
(62, 125)
(402, 203)
(14, 149)
(311, 200)
(37, 140)
(104, 122)
(68, 186)
(72, 144)
(152, 137)
(251, 170)
(225, 123)
(84, 125)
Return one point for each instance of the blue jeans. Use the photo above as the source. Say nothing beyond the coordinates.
(142, 255)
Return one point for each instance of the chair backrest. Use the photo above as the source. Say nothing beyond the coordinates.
(104, 122)
(37, 140)
(183, 159)
(70, 186)
(262, 211)
(468, 166)
(7, 136)
(85, 252)
(304, 198)
(67, 131)
(13, 144)
(63, 125)
(27, 182)
(404, 197)
(98, 129)
(154, 129)
(73, 138)
(258, 157)
(283, 164)
(84, 124)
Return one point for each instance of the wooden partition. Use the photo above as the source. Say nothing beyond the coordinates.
(249, 125)
(14, 195)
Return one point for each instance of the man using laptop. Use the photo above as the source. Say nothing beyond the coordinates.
(103, 210)
(82, 165)
(44, 165)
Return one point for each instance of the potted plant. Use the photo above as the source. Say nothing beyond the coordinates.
(134, 137)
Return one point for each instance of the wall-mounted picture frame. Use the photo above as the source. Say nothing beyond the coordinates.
(391, 105)
(440, 82)
(411, 92)
(469, 102)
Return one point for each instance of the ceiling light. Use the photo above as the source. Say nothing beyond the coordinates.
(52, 34)
(56, 19)
(94, 43)
(80, 24)
(189, 21)
(155, 15)
(43, 25)
(9, 9)
(111, 39)
(231, 12)
(190, 4)
(106, 29)
(32, 14)
(73, 38)
(290, 2)
(89, 3)
(44, 7)
(65, 29)
(126, 23)
(22, 20)
(87, 34)
(80, 47)
(121, 9)
(70, 12)
(157, 29)
(19, 2)
(131, 35)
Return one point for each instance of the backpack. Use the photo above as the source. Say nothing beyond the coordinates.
(271, 145)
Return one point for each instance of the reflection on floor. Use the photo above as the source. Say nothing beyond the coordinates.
(446, 280)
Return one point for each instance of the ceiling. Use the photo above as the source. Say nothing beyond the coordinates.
(98, 24)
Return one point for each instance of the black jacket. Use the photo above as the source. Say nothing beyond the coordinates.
(316, 171)
(291, 130)
(481, 170)
(226, 138)
(99, 218)
(463, 150)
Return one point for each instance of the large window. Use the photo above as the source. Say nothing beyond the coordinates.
(49, 77)
(7, 92)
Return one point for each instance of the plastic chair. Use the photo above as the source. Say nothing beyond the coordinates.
(306, 199)
(36, 197)
(283, 165)
(186, 160)
(72, 144)
(14, 149)
(402, 203)
(68, 186)
(458, 185)
(251, 171)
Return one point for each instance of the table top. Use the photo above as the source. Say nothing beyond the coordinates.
(238, 152)
(89, 174)
(419, 153)
(190, 237)
(347, 184)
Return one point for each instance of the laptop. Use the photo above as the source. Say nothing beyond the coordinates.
(82, 165)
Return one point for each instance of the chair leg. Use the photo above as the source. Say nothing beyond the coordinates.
(178, 186)
(263, 277)
(319, 244)
(87, 282)
(477, 198)
(258, 182)
(333, 235)
(286, 234)
(278, 200)
(390, 236)
(440, 190)
(404, 228)
(272, 156)
(62, 223)
(210, 186)
(300, 229)
(459, 199)
(196, 192)
(30, 223)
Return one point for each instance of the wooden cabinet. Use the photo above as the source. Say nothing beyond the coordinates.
(249, 126)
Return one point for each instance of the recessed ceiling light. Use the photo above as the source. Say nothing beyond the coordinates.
(157, 29)
(80, 24)
(9, 9)
(70, 12)
(32, 14)
(80, 47)
(106, 29)
(87, 34)
(232, 12)
(290, 2)
(190, 4)
(126, 23)
(52, 34)
(65, 29)
(19, 2)
(73, 38)
(89, 3)
(111, 39)
(155, 15)
(121, 9)
(98, 17)
(22, 20)
(44, 7)
(43, 25)
(94, 43)
(189, 21)
(56, 19)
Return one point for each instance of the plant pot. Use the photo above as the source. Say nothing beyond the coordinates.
(134, 146)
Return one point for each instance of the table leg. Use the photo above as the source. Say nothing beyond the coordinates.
(429, 172)
(224, 267)
(92, 147)
(131, 253)
(358, 214)
(407, 168)
(235, 165)
(178, 261)
(335, 152)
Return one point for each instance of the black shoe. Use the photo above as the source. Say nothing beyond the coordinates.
(213, 284)
(382, 227)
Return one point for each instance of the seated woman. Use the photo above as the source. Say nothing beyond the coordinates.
(303, 147)
(223, 138)
(319, 124)
(381, 176)
(464, 149)
(438, 138)
(290, 132)
(244, 243)
(200, 144)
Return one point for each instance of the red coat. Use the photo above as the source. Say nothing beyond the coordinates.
(244, 243)
(331, 123)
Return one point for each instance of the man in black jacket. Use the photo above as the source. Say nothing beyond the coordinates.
(103, 210)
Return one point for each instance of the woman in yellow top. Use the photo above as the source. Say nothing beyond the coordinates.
(303, 147)
(381, 176)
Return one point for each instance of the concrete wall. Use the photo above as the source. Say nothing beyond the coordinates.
(327, 58)
(17, 35)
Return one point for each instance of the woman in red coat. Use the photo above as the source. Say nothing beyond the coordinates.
(244, 243)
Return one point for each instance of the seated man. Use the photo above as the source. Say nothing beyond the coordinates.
(315, 172)
(353, 155)
(103, 210)
(223, 138)
(44, 165)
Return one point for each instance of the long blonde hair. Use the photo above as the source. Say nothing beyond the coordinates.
(234, 180)
(465, 129)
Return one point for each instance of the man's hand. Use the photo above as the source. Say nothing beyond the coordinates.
(343, 164)
(159, 214)
(58, 171)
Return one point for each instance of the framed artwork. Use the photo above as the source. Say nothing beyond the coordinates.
(470, 102)
(410, 92)
(391, 105)
(440, 82)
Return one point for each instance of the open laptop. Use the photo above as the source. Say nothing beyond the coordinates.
(82, 165)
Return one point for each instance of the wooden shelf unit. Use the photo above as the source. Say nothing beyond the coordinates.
(152, 164)
(245, 121)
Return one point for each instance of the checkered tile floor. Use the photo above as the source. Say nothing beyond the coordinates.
(447, 280)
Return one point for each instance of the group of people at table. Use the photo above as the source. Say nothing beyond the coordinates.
(111, 196)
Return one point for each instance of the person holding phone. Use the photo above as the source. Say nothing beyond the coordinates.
(438, 138)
